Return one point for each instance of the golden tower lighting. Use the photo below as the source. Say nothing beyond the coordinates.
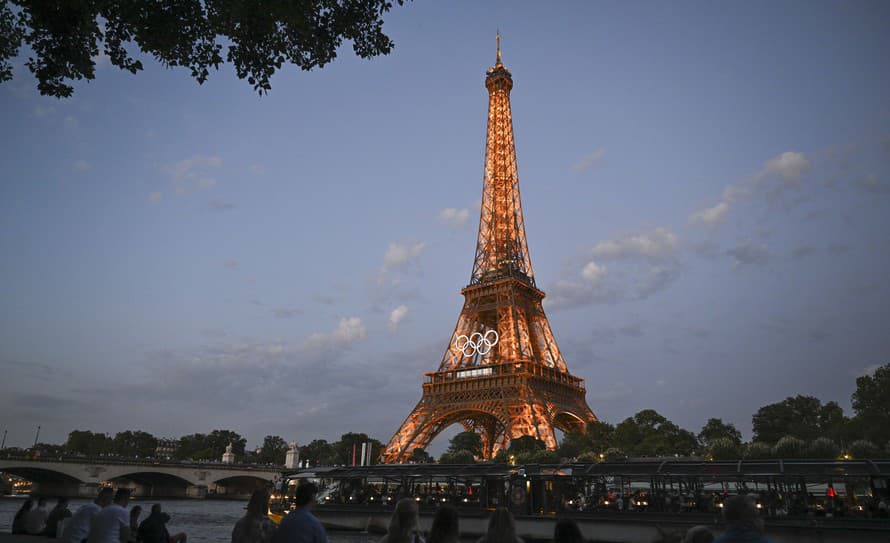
(502, 375)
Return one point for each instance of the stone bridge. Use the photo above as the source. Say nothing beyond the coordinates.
(83, 477)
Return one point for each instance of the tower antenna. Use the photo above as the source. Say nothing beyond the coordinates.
(499, 46)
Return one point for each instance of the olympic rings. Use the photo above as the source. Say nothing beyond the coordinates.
(476, 343)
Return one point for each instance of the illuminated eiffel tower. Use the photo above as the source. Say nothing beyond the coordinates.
(502, 375)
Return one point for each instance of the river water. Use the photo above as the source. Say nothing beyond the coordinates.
(203, 521)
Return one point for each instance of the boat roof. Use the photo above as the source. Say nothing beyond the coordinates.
(646, 469)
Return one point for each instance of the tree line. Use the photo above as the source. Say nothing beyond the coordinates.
(137, 444)
(797, 427)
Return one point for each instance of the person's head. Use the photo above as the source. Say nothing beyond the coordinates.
(28, 504)
(259, 502)
(41, 502)
(62, 503)
(501, 527)
(122, 496)
(106, 494)
(156, 509)
(446, 525)
(404, 521)
(741, 511)
(567, 531)
(699, 534)
(305, 495)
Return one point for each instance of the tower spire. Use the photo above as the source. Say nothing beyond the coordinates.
(501, 248)
(499, 47)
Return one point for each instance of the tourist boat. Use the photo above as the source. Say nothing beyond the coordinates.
(623, 501)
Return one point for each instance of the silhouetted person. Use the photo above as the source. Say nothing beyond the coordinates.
(18, 522)
(300, 525)
(446, 526)
(154, 528)
(135, 511)
(567, 531)
(743, 524)
(35, 519)
(699, 534)
(501, 528)
(57, 515)
(255, 526)
(404, 524)
(78, 528)
(112, 523)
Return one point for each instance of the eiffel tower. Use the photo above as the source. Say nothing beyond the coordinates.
(502, 375)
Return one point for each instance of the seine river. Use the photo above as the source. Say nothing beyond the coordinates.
(203, 520)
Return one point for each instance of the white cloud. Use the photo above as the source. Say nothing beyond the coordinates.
(400, 255)
(81, 166)
(871, 183)
(593, 272)
(748, 253)
(348, 331)
(789, 165)
(656, 278)
(643, 265)
(155, 197)
(710, 216)
(659, 243)
(589, 161)
(396, 316)
(455, 218)
(43, 111)
(735, 193)
(194, 173)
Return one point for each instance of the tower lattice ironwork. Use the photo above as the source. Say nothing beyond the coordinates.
(502, 375)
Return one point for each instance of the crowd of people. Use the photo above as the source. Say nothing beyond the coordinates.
(743, 524)
(107, 520)
(104, 520)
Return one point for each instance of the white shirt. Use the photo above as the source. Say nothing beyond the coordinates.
(106, 525)
(78, 526)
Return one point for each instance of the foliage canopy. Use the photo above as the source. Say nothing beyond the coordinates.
(257, 37)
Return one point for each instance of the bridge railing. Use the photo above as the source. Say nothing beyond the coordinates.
(74, 459)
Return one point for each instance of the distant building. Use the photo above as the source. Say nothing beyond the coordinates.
(166, 448)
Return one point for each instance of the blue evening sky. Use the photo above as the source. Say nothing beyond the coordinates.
(706, 188)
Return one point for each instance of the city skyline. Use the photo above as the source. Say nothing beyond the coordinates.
(706, 193)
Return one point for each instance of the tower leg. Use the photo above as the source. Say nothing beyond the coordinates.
(411, 435)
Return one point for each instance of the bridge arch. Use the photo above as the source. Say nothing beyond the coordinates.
(41, 474)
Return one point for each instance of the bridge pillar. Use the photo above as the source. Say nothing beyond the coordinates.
(196, 491)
